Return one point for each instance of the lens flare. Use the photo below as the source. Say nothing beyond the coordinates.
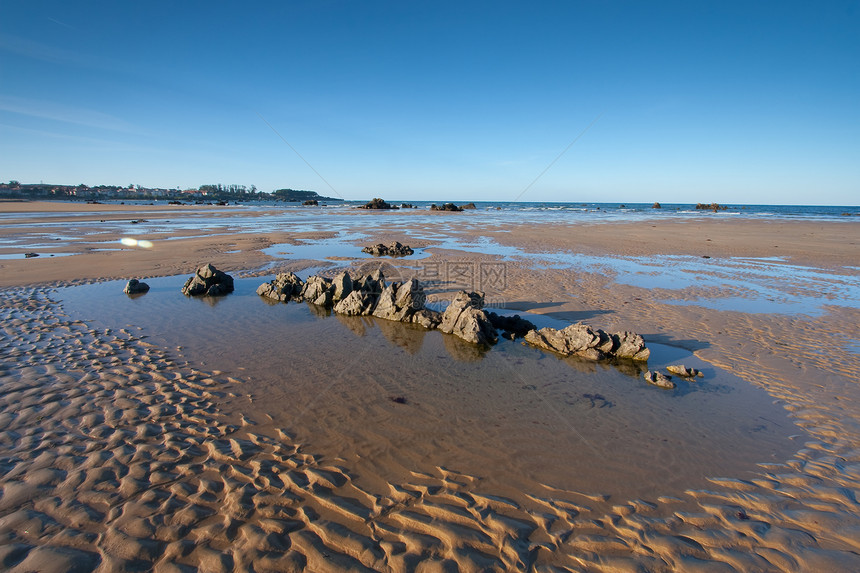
(129, 242)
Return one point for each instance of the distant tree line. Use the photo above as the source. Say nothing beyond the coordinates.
(212, 192)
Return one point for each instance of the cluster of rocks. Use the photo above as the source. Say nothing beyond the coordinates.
(464, 317)
(592, 343)
(208, 281)
(369, 295)
(365, 295)
(395, 249)
(377, 203)
(311, 203)
(665, 381)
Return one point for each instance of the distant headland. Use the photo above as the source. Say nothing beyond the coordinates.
(215, 192)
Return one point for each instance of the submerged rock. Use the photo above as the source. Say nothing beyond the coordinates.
(134, 286)
(466, 319)
(659, 379)
(208, 281)
(285, 287)
(582, 340)
(395, 249)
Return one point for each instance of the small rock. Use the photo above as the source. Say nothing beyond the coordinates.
(683, 371)
(134, 286)
(659, 379)
(30, 255)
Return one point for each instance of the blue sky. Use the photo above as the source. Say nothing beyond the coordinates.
(735, 102)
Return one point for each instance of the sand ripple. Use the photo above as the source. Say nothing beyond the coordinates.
(116, 458)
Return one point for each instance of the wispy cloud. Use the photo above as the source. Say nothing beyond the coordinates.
(69, 26)
(44, 52)
(64, 113)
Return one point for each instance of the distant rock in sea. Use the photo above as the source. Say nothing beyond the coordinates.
(446, 207)
(377, 203)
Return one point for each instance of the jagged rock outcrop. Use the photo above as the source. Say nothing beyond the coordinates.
(341, 286)
(466, 319)
(134, 286)
(395, 249)
(285, 287)
(582, 340)
(208, 281)
(318, 290)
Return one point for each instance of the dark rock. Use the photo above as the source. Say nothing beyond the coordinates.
(465, 319)
(395, 249)
(285, 287)
(134, 286)
(30, 255)
(659, 379)
(656, 206)
(711, 207)
(377, 203)
(468, 206)
(446, 207)
(311, 202)
(427, 318)
(208, 281)
(407, 206)
(515, 325)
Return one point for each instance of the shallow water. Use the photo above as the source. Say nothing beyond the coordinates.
(389, 399)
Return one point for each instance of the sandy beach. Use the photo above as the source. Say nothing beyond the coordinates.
(167, 434)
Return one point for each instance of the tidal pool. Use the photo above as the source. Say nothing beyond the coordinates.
(388, 400)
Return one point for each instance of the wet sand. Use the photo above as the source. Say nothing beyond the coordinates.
(121, 451)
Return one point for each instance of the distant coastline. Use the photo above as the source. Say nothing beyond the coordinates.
(214, 192)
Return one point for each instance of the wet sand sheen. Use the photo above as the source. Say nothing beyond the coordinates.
(515, 417)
